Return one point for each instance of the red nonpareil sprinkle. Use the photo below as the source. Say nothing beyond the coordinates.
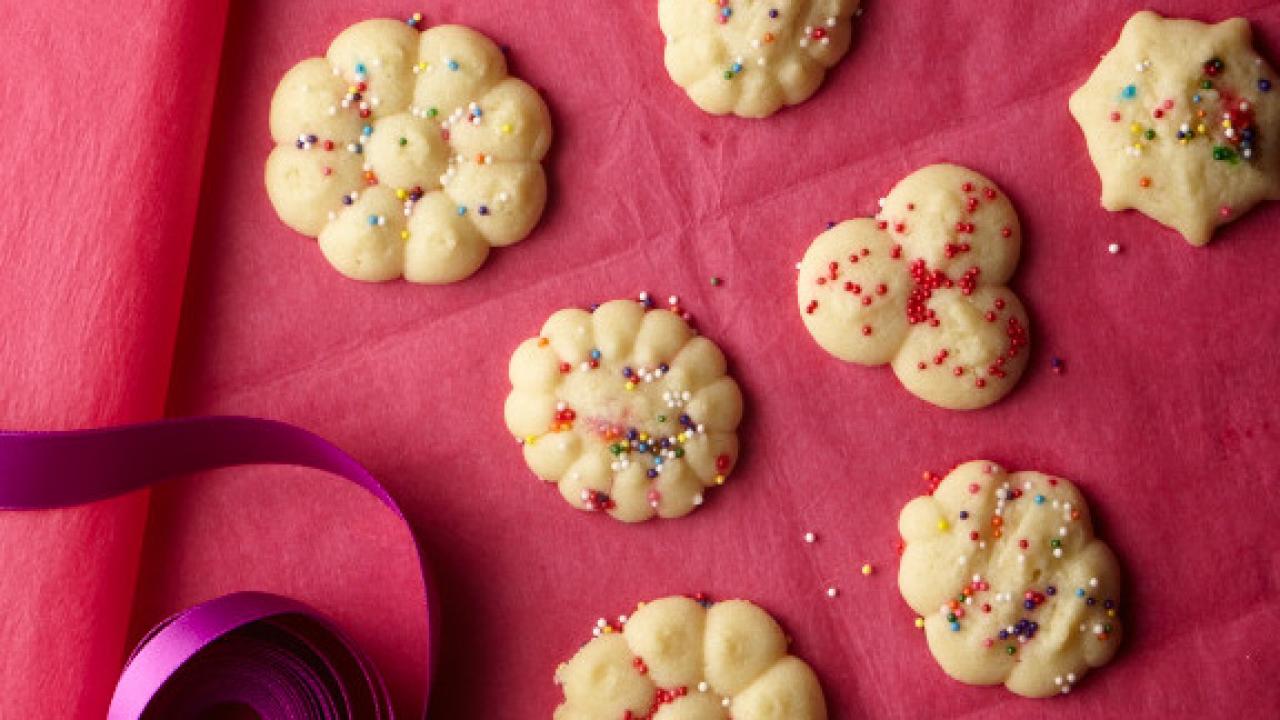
(722, 462)
(967, 187)
(1006, 232)
(813, 305)
(866, 329)
(565, 367)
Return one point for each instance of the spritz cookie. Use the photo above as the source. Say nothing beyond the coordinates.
(1182, 121)
(751, 57)
(682, 658)
(408, 153)
(1012, 584)
(922, 287)
(626, 409)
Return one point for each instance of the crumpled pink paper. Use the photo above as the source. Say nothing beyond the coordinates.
(1165, 414)
(107, 107)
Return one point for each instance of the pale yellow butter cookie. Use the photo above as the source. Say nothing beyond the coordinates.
(1182, 121)
(682, 658)
(922, 287)
(1012, 584)
(626, 409)
(752, 57)
(408, 153)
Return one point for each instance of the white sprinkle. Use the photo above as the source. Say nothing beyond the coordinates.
(1057, 552)
(810, 537)
(1093, 582)
(1113, 248)
(832, 592)
(703, 686)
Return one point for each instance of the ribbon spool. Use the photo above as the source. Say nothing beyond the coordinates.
(253, 651)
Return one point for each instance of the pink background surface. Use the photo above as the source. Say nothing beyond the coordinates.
(1166, 415)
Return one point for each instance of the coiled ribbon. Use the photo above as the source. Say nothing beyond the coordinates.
(276, 656)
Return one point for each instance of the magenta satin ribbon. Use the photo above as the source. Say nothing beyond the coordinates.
(274, 655)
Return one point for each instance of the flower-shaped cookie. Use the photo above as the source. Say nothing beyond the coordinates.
(408, 153)
(1182, 121)
(922, 287)
(683, 659)
(1013, 586)
(626, 409)
(751, 57)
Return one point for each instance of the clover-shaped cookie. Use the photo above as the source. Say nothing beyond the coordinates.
(626, 409)
(922, 286)
(408, 153)
(1011, 581)
(751, 57)
(1182, 121)
(683, 659)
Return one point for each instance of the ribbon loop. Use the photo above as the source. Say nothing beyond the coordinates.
(275, 656)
